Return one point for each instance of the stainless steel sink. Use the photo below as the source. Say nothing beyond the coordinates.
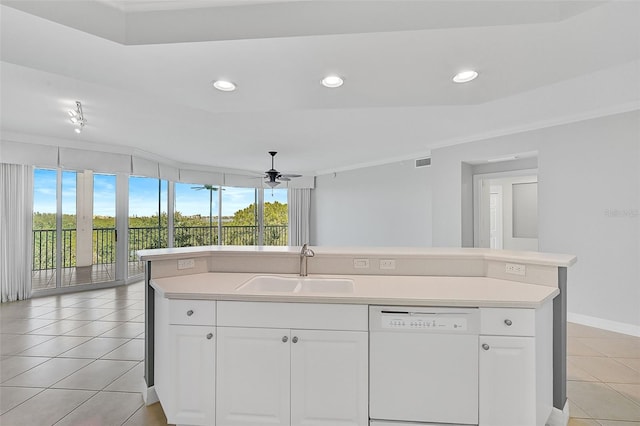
(278, 284)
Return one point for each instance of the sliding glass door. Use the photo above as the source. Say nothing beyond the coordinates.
(74, 228)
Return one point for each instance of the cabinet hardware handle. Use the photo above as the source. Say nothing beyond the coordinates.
(285, 339)
(295, 339)
(485, 346)
(508, 322)
(210, 336)
(189, 312)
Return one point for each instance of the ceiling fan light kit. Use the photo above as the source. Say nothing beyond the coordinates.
(273, 178)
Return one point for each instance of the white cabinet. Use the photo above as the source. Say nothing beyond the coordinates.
(516, 371)
(329, 372)
(274, 375)
(298, 377)
(507, 381)
(253, 376)
(192, 357)
(184, 360)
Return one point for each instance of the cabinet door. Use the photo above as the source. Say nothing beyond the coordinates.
(192, 370)
(329, 378)
(253, 377)
(507, 381)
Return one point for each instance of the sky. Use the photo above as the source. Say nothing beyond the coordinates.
(143, 196)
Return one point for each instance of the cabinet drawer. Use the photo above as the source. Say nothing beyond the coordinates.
(309, 316)
(192, 312)
(507, 322)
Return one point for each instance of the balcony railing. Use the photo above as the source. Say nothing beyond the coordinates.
(104, 241)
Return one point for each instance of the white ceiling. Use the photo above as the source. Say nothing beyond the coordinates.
(143, 72)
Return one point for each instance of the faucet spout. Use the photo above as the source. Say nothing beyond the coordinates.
(305, 254)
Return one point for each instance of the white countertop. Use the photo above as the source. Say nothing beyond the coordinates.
(529, 257)
(368, 289)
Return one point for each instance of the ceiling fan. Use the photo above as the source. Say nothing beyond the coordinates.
(273, 177)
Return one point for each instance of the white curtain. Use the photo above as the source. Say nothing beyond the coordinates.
(16, 216)
(299, 201)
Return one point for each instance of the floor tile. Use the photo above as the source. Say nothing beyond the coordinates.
(12, 366)
(606, 369)
(131, 381)
(617, 348)
(94, 348)
(11, 397)
(92, 303)
(62, 313)
(94, 328)
(92, 314)
(119, 304)
(631, 391)
(577, 412)
(630, 362)
(95, 376)
(576, 373)
(579, 330)
(151, 415)
(600, 401)
(55, 346)
(582, 422)
(45, 408)
(128, 330)
(105, 408)
(15, 343)
(123, 315)
(59, 327)
(133, 350)
(617, 423)
(575, 346)
(24, 325)
(48, 373)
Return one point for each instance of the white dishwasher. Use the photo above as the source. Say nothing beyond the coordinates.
(423, 366)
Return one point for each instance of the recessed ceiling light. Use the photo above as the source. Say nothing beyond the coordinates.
(465, 76)
(225, 86)
(332, 81)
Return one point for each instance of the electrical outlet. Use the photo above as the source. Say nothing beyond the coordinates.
(387, 264)
(186, 263)
(515, 269)
(361, 263)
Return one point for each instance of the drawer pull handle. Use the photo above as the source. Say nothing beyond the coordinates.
(285, 339)
(485, 346)
(189, 312)
(295, 339)
(210, 336)
(508, 322)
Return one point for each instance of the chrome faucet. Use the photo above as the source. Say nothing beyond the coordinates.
(305, 254)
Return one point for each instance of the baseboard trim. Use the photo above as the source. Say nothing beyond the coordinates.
(149, 394)
(618, 327)
(559, 417)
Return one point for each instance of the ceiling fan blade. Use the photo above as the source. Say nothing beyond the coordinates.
(290, 175)
(284, 179)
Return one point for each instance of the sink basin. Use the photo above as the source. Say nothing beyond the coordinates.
(274, 283)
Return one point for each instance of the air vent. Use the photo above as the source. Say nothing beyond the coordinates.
(423, 162)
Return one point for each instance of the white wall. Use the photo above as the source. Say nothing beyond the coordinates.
(387, 205)
(589, 201)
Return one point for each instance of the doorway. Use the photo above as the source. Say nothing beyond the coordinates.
(506, 210)
(74, 229)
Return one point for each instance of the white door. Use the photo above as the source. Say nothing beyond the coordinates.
(507, 381)
(192, 361)
(329, 378)
(495, 217)
(253, 377)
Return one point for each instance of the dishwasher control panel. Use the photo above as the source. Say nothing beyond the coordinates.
(424, 319)
(424, 322)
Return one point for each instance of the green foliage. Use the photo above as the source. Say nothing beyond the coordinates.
(151, 232)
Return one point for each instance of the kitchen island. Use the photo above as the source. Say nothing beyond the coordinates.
(236, 337)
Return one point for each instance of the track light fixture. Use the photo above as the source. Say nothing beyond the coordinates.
(77, 117)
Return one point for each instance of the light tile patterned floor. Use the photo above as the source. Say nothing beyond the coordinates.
(77, 359)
